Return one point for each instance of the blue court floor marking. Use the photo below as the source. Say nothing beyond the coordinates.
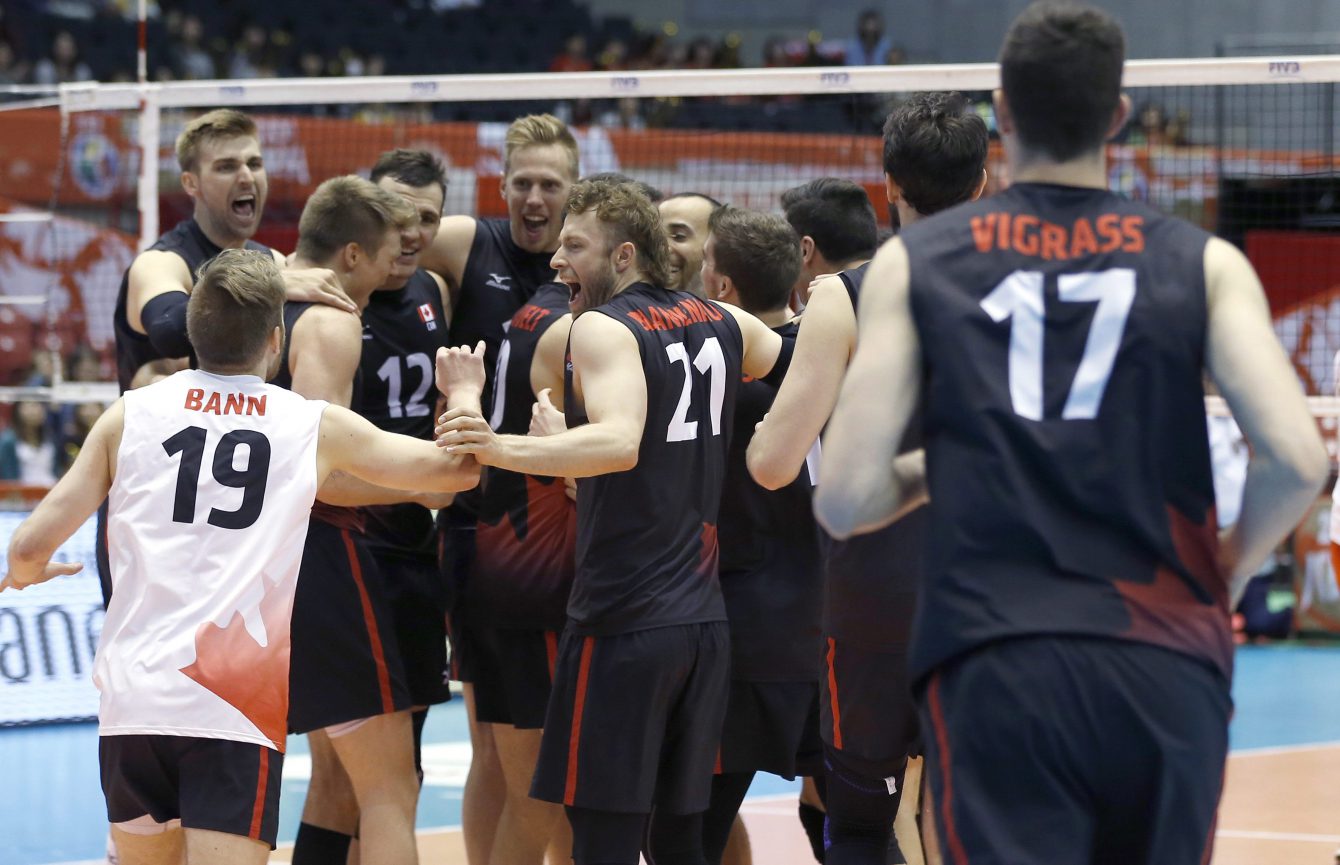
(1285, 696)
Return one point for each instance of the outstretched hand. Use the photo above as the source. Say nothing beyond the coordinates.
(19, 581)
(460, 370)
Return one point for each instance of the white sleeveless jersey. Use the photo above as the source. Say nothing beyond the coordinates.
(214, 484)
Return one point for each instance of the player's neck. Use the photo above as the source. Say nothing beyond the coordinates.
(361, 298)
(258, 369)
(847, 265)
(1089, 171)
(216, 235)
(774, 318)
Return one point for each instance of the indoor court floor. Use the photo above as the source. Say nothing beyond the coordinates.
(1281, 804)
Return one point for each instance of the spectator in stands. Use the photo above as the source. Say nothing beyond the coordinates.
(574, 57)
(12, 71)
(74, 431)
(194, 63)
(64, 64)
(27, 449)
(249, 59)
(869, 47)
(613, 57)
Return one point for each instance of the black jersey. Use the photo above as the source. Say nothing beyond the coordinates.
(1063, 333)
(525, 552)
(341, 517)
(499, 277)
(133, 349)
(647, 538)
(770, 569)
(871, 580)
(402, 331)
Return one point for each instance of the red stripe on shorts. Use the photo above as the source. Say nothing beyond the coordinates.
(370, 619)
(258, 810)
(551, 651)
(578, 706)
(833, 695)
(956, 850)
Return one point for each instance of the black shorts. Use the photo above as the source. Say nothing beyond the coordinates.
(772, 727)
(345, 664)
(214, 784)
(635, 720)
(868, 718)
(514, 673)
(457, 554)
(419, 609)
(1076, 749)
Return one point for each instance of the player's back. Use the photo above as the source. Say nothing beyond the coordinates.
(646, 537)
(215, 476)
(1063, 331)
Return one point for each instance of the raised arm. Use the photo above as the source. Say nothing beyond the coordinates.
(68, 506)
(323, 354)
(1288, 463)
(158, 287)
(807, 395)
(861, 488)
(449, 252)
(610, 381)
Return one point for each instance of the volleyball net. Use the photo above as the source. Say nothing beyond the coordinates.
(1244, 147)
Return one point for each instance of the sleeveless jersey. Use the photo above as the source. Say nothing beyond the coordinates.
(133, 349)
(340, 517)
(527, 530)
(402, 331)
(1063, 336)
(770, 568)
(208, 510)
(499, 277)
(647, 537)
(871, 580)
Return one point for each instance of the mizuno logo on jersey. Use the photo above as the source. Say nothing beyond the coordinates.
(496, 280)
(426, 316)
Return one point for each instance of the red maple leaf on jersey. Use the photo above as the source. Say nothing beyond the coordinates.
(248, 676)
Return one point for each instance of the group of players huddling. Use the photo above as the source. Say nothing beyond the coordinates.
(611, 402)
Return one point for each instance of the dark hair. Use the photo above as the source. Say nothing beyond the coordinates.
(935, 149)
(627, 217)
(1060, 68)
(837, 214)
(238, 299)
(760, 253)
(416, 168)
(709, 199)
(654, 195)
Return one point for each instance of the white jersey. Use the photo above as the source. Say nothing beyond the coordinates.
(208, 512)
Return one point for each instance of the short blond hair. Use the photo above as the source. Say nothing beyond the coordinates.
(538, 130)
(214, 126)
(349, 209)
(238, 299)
(628, 217)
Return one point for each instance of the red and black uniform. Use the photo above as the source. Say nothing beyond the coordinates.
(1073, 621)
(499, 278)
(402, 331)
(643, 670)
(869, 719)
(346, 663)
(526, 546)
(771, 581)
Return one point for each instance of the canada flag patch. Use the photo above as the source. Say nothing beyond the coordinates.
(426, 316)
